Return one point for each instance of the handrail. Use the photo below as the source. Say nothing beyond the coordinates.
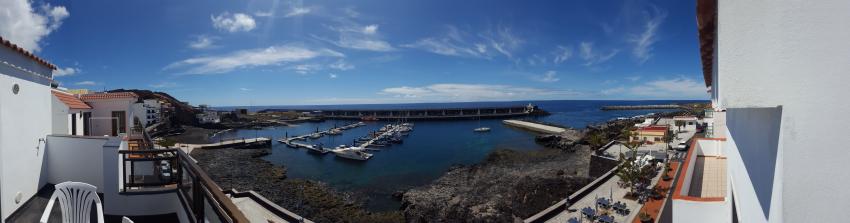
(219, 201)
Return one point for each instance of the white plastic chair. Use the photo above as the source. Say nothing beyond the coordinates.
(75, 200)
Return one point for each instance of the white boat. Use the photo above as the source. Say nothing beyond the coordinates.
(355, 153)
(316, 135)
(482, 129)
(335, 131)
(317, 149)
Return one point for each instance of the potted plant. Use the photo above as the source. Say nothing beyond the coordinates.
(644, 217)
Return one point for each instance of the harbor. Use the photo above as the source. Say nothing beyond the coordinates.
(423, 114)
(385, 136)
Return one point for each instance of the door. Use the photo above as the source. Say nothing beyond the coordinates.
(119, 122)
(86, 123)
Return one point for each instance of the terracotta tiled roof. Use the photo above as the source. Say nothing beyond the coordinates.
(26, 53)
(114, 95)
(653, 128)
(707, 29)
(70, 100)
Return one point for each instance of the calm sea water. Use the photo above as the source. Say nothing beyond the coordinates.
(430, 149)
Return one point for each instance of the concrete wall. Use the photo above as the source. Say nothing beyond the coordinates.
(75, 158)
(59, 116)
(793, 54)
(701, 211)
(25, 122)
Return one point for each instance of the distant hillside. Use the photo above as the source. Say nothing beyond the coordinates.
(183, 114)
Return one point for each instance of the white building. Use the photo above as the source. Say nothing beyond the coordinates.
(38, 151)
(112, 113)
(777, 74)
(70, 114)
(149, 111)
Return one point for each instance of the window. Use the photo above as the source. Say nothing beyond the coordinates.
(657, 139)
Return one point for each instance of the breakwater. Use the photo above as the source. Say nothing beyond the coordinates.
(425, 114)
(640, 107)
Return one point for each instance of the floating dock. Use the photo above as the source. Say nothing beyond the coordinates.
(293, 141)
(640, 107)
(427, 114)
(536, 127)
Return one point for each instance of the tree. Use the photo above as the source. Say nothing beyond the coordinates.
(596, 140)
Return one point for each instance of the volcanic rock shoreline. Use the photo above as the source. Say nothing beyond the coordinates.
(507, 186)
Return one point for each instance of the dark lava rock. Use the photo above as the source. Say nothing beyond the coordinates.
(507, 187)
(243, 170)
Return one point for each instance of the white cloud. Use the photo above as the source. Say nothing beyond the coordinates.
(264, 14)
(25, 25)
(202, 42)
(548, 77)
(297, 11)
(67, 71)
(233, 22)
(161, 85)
(351, 12)
(332, 76)
(341, 65)
(592, 57)
(473, 92)
(633, 78)
(504, 41)
(613, 91)
(643, 42)
(562, 54)
(672, 88)
(370, 29)
(274, 55)
(86, 83)
(245, 89)
(458, 43)
(359, 37)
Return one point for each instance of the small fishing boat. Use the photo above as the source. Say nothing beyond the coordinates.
(481, 129)
(355, 153)
(318, 148)
(316, 135)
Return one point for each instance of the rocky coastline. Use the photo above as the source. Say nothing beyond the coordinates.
(507, 186)
(244, 169)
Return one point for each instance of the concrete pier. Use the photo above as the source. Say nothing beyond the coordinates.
(639, 107)
(535, 126)
(428, 114)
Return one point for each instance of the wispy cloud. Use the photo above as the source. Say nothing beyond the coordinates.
(633, 78)
(591, 56)
(245, 89)
(264, 13)
(274, 55)
(642, 43)
(202, 42)
(454, 42)
(25, 25)
(297, 11)
(667, 88)
(332, 76)
(562, 54)
(67, 71)
(360, 37)
(548, 77)
(474, 92)
(237, 22)
(86, 83)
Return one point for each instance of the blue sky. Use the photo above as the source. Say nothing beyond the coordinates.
(271, 52)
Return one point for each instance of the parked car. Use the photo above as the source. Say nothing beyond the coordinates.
(683, 146)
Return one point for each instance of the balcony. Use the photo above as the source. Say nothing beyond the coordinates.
(701, 193)
(162, 185)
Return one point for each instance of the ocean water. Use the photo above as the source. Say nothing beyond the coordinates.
(426, 153)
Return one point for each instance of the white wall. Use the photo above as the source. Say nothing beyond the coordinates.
(101, 120)
(75, 158)
(59, 116)
(794, 54)
(24, 119)
(701, 211)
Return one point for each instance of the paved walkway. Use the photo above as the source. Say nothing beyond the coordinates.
(604, 190)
